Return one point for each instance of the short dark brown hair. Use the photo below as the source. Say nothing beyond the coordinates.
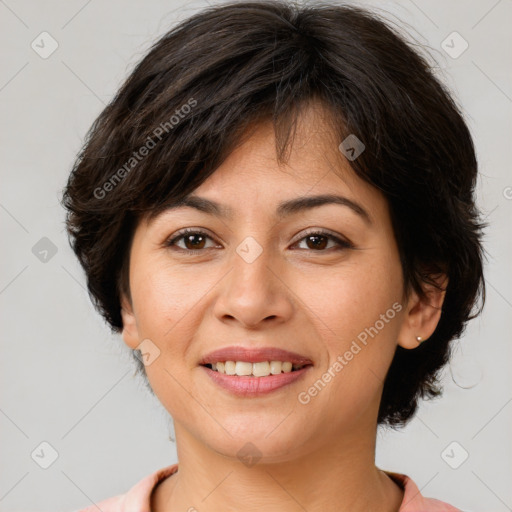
(190, 100)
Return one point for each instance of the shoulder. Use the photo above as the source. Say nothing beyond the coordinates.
(414, 501)
(137, 499)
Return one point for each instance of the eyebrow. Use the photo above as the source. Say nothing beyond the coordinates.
(284, 209)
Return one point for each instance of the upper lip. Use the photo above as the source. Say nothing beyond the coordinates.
(254, 355)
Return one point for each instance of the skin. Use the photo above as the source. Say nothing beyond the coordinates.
(318, 456)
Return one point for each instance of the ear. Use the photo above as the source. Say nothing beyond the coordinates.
(422, 314)
(130, 330)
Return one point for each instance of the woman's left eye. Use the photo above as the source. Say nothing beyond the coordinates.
(318, 241)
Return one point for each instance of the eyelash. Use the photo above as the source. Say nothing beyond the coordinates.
(343, 244)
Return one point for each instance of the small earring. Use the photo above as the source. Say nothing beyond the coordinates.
(419, 339)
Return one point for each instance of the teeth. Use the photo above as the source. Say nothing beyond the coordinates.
(275, 367)
(260, 369)
(230, 367)
(242, 368)
(286, 367)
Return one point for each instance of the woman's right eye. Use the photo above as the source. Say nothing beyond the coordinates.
(193, 240)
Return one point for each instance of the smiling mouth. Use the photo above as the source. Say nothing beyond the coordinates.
(259, 369)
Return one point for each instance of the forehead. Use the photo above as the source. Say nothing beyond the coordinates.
(252, 181)
(252, 175)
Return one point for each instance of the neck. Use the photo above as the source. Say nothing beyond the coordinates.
(339, 476)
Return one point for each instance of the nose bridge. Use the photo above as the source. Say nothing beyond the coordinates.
(252, 292)
(251, 267)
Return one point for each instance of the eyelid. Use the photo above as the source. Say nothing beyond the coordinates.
(171, 241)
(341, 241)
(324, 232)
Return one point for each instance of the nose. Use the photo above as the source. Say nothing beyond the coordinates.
(255, 292)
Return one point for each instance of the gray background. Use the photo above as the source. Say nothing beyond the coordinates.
(67, 381)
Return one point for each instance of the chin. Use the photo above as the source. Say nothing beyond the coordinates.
(263, 442)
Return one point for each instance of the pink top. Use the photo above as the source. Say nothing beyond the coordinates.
(137, 499)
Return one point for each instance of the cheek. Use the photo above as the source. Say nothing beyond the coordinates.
(167, 307)
(357, 316)
(163, 295)
(358, 347)
(347, 300)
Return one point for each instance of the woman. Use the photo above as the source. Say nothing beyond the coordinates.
(277, 213)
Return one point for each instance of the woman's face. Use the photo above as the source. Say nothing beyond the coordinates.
(257, 280)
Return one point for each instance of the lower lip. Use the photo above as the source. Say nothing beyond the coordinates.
(254, 386)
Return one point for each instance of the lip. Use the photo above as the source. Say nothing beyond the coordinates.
(254, 355)
(247, 386)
